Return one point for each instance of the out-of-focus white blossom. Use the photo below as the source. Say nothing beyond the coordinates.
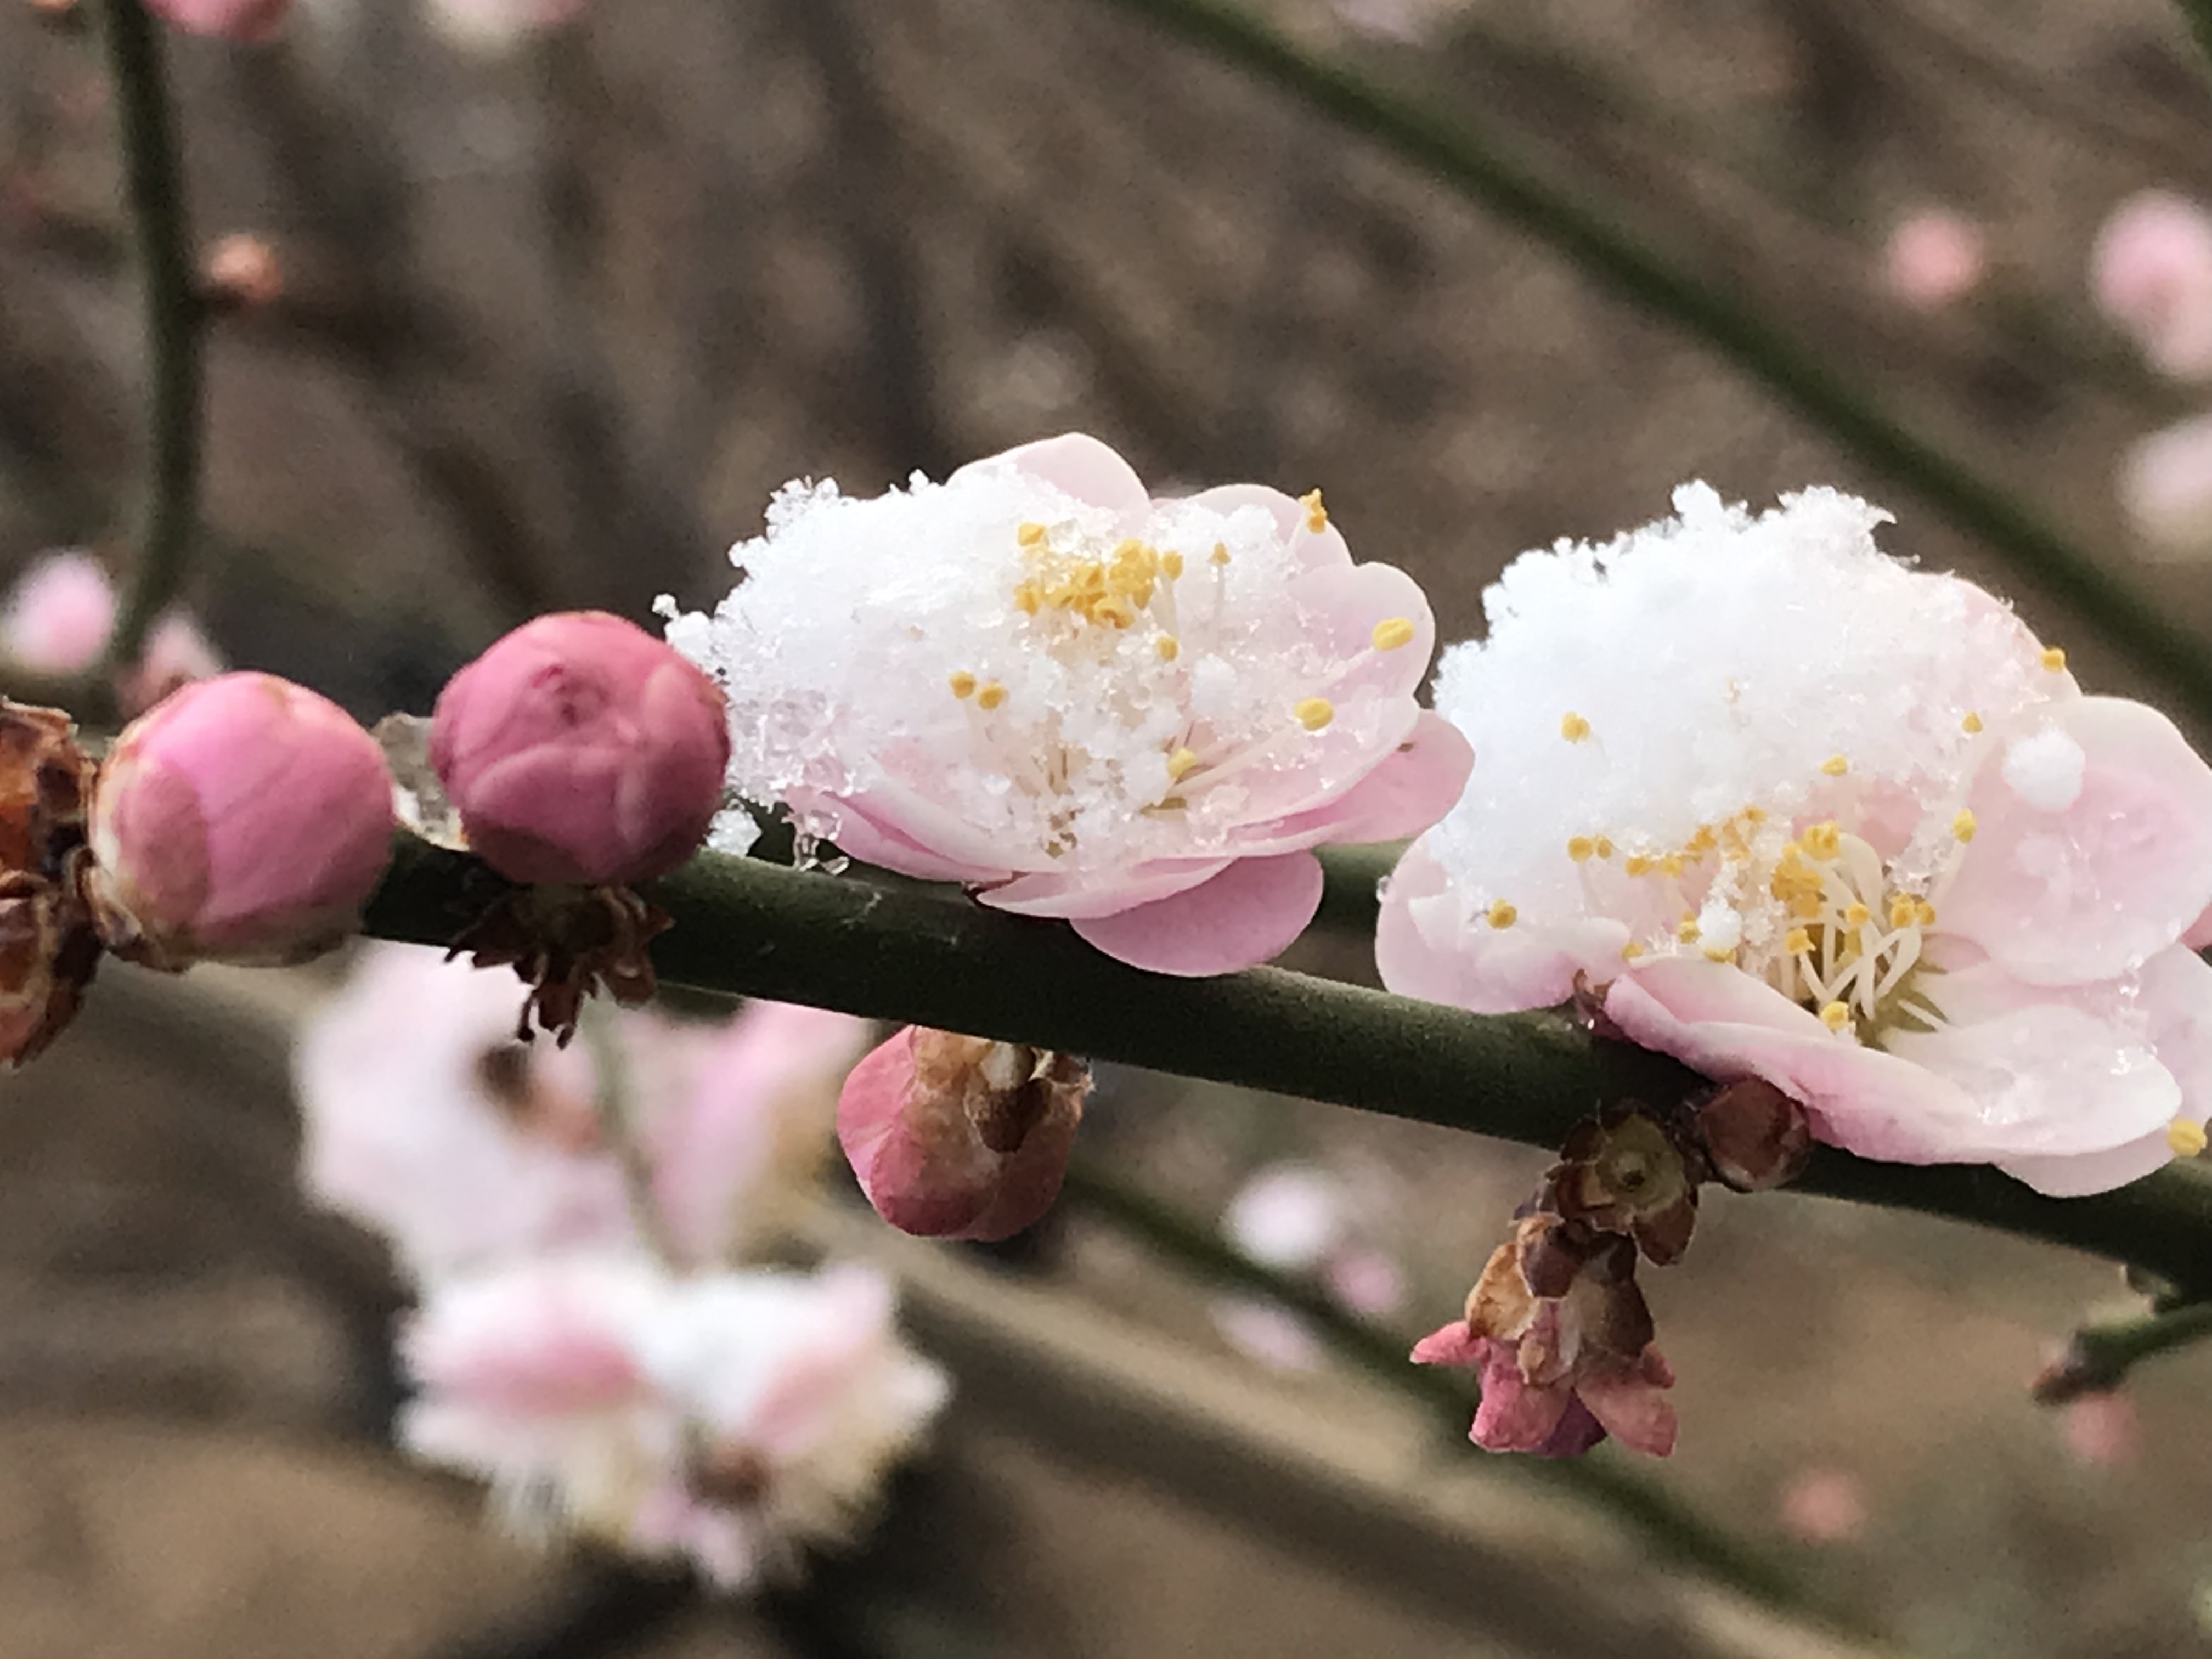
(731, 1419)
(493, 29)
(2151, 273)
(1810, 815)
(2165, 488)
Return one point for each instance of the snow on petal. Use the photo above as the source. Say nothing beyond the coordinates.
(1035, 675)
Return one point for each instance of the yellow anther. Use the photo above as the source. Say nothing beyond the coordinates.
(1796, 942)
(1181, 763)
(1573, 727)
(2187, 1139)
(1603, 846)
(963, 684)
(2054, 660)
(1856, 914)
(1115, 609)
(1702, 842)
(1836, 1016)
(1316, 514)
(1835, 766)
(1030, 534)
(1962, 825)
(991, 696)
(1315, 713)
(1221, 554)
(1971, 724)
(1392, 632)
(1630, 950)
(1923, 912)
(1753, 815)
(1171, 564)
(1686, 930)
(1636, 864)
(1715, 953)
(1671, 865)
(1806, 907)
(1502, 915)
(1579, 847)
(1821, 840)
(1167, 647)
(1904, 910)
(1029, 598)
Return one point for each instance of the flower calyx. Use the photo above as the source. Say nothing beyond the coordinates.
(48, 947)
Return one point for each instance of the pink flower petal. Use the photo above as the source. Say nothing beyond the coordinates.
(2085, 893)
(1092, 471)
(1416, 785)
(1317, 550)
(1347, 601)
(1423, 949)
(858, 834)
(1077, 896)
(1455, 1344)
(1632, 1409)
(1251, 911)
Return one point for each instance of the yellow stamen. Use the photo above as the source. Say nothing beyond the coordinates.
(1221, 554)
(2187, 1139)
(1171, 564)
(1904, 910)
(1714, 953)
(1029, 598)
(1604, 847)
(1972, 724)
(1856, 914)
(1835, 766)
(1686, 930)
(1671, 865)
(1796, 942)
(1836, 1016)
(1962, 825)
(1502, 915)
(1030, 534)
(1181, 763)
(2054, 660)
(1316, 514)
(1820, 841)
(1392, 632)
(1923, 912)
(1630, 950)
(1315, 713)
(963, 684)
(1754, 815)
(1700, 843)
(1167, 647)
(991, 696)
(1579, 847)
(1573, 727)
(1636, 864)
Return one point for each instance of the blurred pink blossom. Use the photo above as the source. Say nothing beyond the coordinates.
(2101, 1429)
(731, 1419)
(1934, 258)
(960, 1137)
(492, 27)
(1824, 1506)
(2164, 489)
(2151, 272)
(58, 617)
(234, 19)
(579, 749)
(426, 1119)
(1036, 679)
(242, 819)
(1897, 865)
(1306, 1221)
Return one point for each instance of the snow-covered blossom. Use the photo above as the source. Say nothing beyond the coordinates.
(579, 749)
(1083, 703)
(961, 1137)
(244, 819)
(427, 1120)
(2164, 489)
(732, 1419)
(1933, 257)
(60, 614)
(1804, 813)
(2151, 272)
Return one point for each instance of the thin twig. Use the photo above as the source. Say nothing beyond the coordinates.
(1467, 163)
(2101, 1357)
(153, 194)
(915, 957)
(614, 1101)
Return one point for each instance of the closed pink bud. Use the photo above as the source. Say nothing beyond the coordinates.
(234, 20)
(56, 619)
(244, 819)
(580, 749)
(960, 1137)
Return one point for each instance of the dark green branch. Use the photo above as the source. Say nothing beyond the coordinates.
(918, 955)
(153, 196)
(1470, 165)
(2099, 1357)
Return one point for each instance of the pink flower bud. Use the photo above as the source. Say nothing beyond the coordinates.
(244, 819)
(580, 749)
(960, 1137)
(234, 20)
(57, 617)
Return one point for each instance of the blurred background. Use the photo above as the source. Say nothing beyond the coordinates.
(561, 308)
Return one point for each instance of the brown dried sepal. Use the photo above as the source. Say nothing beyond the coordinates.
(1549, 1259)
(48, 950)
(567, 944)
(1005, 1090)
(1625, 1172)
(1754, 1137)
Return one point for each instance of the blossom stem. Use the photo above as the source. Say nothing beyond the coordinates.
(1670, 1527)
(1470, 165)
(154, 192)
(2101, 1357)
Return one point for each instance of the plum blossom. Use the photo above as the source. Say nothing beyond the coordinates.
(731, 1419)
(1933, 257)
(2164, 489)
(2151, 273)
(427, 1120)
(1305, 1221)
(1797, 812)
(61, 613)
(1081, 702)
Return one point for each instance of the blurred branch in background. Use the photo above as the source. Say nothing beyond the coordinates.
(911, 955)
(153, 186)
(2198, 14)
(2099, 1358)
(1458, 157)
